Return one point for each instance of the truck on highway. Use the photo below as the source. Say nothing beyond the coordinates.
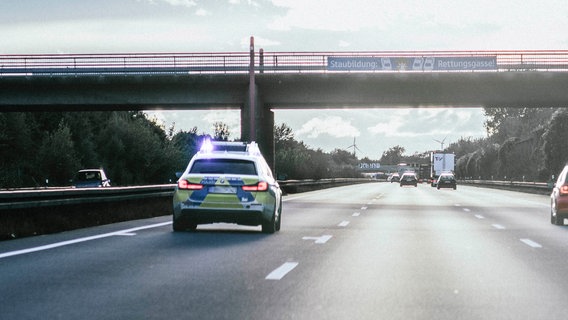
(440, 162)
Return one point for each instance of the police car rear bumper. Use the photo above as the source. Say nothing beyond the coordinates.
(252, 216)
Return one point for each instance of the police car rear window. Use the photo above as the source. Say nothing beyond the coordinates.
(223, 166)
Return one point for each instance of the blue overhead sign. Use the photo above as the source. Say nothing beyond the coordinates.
(369, 166)
(411, 63)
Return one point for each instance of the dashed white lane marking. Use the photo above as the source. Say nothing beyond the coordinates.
(478, 216)
(356, 214)
(320, 240)
(466, 210)
(498, 226)
(281, 271)
(69, 242)
(363, 208)
(531, 243)
(457, 205)
(343, 223)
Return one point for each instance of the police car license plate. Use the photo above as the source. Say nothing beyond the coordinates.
(222, 189)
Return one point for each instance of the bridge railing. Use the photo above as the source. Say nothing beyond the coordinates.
(554, 60)
(158, 63)
(267, 62)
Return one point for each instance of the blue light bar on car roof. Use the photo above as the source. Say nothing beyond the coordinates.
(206, 146)
(209, 146)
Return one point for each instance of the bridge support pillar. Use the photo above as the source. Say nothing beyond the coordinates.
(257, 120)
(259, 127)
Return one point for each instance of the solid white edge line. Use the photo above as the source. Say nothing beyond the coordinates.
(281, 271)
(130, 234)
(69, 242)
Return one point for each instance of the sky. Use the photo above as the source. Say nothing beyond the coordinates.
(179, 26)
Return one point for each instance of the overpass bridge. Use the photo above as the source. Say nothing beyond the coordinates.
(258, 82)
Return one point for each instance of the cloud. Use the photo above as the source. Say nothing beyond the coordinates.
(411, 123)
(249, 2)
(229, 117)
(388, 129)
(443, 24)
(102, 36)
(398, 16)
(354, 15)
(333, 126)
(390, 123)
(259, 42)
(184, 3)
(202, 12)
(280, 25)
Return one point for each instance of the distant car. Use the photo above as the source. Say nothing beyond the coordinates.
(432, 181)
(91, 178)
(227, 182)
(446, 180)
(559, 199)
(395, 177)
(408, 179)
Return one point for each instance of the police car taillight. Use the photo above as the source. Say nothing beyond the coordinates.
(184, 184)
(260, 186)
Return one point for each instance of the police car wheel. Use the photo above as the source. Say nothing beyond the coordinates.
(270, 226)
(179, 226)
(279, 223)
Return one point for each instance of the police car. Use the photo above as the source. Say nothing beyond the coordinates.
(227, 182)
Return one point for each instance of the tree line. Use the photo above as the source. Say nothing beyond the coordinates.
(40, 149)
(47, 148)
(529, 144)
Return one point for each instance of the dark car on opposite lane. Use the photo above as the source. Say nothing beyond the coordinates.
(91, 178)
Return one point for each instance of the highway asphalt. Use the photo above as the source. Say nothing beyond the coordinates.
(369, 251)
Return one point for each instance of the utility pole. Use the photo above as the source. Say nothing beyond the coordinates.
(252, 93)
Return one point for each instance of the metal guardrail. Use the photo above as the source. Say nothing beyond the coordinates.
(19, 199)
(531, 187)
(30, 198)
(296, 186)
(266, 62)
